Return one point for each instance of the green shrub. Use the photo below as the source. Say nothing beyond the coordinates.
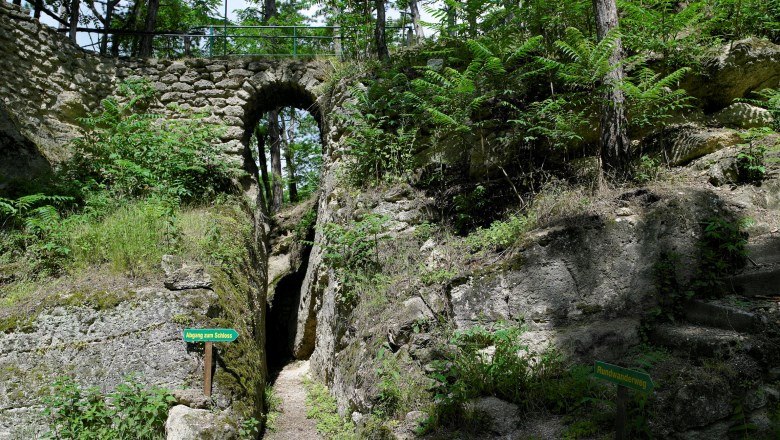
(131, 412)
(501, 234)
(130, 153)
(352, 251)
(511, 372)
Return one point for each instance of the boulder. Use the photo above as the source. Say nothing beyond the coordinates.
(185, 423)
(743, 115)
(180, 275)
(682, 144)
(738, 69)
(192, 398)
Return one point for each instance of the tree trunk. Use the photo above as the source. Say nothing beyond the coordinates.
(75, 5)
(379, 31)
(289, 136)
(107, 25)
(38, 9)
(149, 25)
(269, 10)
(450, 20)
(18, 2)
(274, 139)
(263, 159)
(614, 145)
(418, 29)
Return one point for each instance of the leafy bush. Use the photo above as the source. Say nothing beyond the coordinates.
(131, 153)
(500, 234)
(497, 363)
(352, 251)
(131, 412)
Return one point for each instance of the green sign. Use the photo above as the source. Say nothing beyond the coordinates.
(623, 376)
(209, 335)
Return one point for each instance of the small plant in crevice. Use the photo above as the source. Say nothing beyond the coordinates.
(751, 167)
(741, 426)
(249, 429)
(323, 408)
(647, 170)
(468, 207)
(671, 294)
(352, 252)
(721, 253)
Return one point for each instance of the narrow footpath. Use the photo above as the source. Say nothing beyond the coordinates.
(292, 423)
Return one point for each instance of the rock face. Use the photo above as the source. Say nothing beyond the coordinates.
(186, 423)
(49, 82)
(180, 275)
(740, 68)
(95, 347)
(743, 115)
(682, 144)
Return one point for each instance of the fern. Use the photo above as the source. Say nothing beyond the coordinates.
(652, 98)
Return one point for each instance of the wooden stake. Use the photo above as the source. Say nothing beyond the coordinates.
(207, 371)
(621, 412)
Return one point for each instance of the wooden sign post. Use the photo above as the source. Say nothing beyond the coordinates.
(209, 336)
(625, 379)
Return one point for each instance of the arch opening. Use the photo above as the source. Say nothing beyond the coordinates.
(283, 151)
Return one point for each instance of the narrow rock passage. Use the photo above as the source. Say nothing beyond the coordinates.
(292, 423)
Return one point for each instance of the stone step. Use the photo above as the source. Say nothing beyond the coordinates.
(695, 340)
(764, 281)
(723, 316)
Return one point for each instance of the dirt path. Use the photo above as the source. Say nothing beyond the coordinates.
(292, 423)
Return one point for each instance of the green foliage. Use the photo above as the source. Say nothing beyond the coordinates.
(501, 234)
(273, 407)
(131, 240)
(647, 170)
(663, 28)
(352, 251)
(722, 252)
(495, 362)
(130, 153)
(750, 164)
(307, 222)
(322, 407)
(468, 207)
(380, 147)
(130, 412)
(249, 429)
(652, 99)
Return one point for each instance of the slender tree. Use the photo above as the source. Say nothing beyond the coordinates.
(415, 12)
(105, 20)
(380, 37)
(263, 159)
(75, 5)
(613, 141)
(149, 25)
(289, 137)
(269, 10)
(274, 140)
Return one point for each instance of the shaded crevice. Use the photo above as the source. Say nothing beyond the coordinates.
(282, 316)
